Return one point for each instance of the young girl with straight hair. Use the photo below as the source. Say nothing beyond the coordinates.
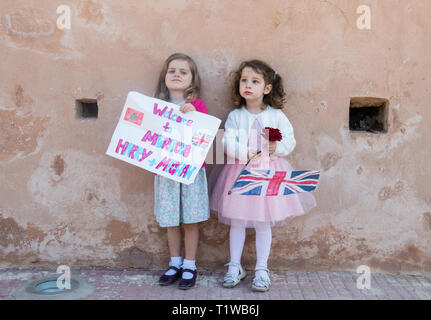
(176, 203)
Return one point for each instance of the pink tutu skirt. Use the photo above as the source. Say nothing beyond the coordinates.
(249, 210)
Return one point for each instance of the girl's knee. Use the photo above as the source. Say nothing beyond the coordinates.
(263, 226)
(190, 226)
(173, 229)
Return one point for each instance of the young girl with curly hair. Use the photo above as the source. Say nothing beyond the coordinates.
(258, 99)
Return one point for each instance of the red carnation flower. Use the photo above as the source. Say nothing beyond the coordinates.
(274, 134)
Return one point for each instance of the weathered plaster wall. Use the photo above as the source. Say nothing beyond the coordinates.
(63, 201)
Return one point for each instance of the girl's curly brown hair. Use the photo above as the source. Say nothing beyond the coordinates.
(276, 98)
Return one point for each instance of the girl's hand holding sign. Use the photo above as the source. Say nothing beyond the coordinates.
(187, 107)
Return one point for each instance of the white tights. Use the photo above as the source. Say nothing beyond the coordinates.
(263, 244)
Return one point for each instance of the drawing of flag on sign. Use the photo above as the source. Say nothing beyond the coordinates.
(201, 140)
(134, 116)
(275, 183)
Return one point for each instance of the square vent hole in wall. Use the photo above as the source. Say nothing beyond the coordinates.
(368, 114)
(86, 109)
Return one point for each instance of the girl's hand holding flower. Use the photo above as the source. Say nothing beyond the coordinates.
(272, 145)
(272, 135)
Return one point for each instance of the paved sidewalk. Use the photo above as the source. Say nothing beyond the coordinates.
(131, 284)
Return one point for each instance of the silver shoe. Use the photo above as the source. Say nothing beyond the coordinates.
(230, 279)
(260, 283)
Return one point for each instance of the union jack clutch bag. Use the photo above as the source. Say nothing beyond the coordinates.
(252, 182)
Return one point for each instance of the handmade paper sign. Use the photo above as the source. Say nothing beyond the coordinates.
(153, 134)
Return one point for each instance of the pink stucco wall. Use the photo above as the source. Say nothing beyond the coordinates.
(63, 201)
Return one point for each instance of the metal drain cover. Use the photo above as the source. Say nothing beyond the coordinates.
(46, 289)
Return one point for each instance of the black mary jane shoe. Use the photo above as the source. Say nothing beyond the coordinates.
(166, 280)
(188, 283)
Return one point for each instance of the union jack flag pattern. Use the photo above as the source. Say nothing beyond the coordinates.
(254, 182)
(201, 140)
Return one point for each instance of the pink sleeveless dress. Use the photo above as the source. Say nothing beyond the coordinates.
(248, 210)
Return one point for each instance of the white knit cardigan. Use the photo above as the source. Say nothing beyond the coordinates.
(238, 126)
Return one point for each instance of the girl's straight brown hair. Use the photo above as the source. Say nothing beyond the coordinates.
(192, 92)
(276, 98)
